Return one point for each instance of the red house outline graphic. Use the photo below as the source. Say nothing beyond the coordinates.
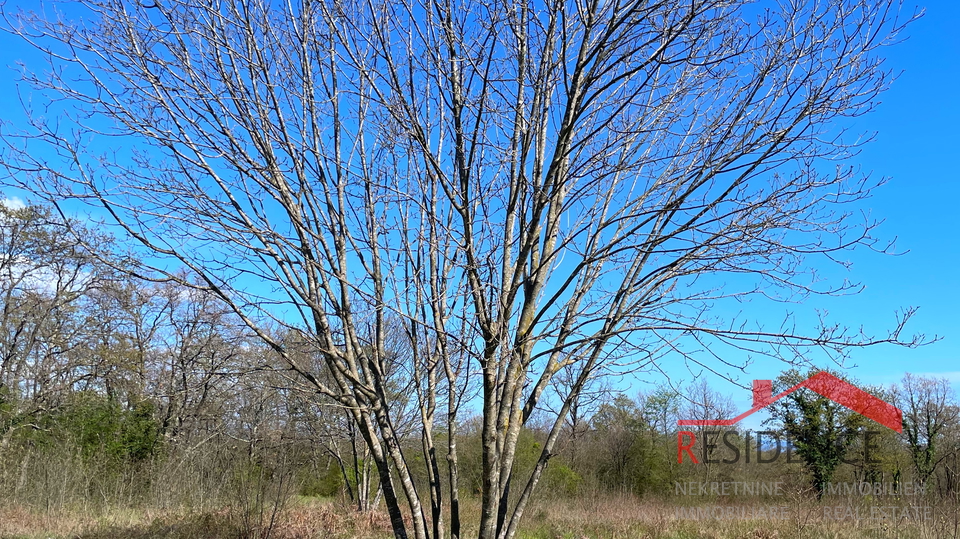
(825, 384)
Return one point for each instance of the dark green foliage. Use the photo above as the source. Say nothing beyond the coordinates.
(99, 428)
(561, 480)
(820, 430)
(100, 425)
(630, 454)
(327, 483)
(8, 414)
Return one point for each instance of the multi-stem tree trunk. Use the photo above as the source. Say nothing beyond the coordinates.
(526, 188)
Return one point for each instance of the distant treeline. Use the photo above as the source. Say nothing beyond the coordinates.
(115, 390)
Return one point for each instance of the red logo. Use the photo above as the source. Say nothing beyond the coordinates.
(825, 384)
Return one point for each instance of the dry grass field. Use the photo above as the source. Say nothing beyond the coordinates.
(615, 517)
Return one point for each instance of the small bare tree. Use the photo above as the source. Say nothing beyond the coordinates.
(528, 187)
(929, 408)
(704, 403)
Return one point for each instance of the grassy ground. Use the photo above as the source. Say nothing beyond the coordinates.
(606, 516)
(304, 519)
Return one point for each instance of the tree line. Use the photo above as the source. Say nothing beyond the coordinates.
(115, 390)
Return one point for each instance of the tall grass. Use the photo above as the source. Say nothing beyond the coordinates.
(614, 516)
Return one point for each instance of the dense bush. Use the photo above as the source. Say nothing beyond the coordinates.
(101, 427)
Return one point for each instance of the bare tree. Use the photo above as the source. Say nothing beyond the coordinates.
(47, 282)
(592, 396)
(704, 403)
(929, 408)
(530, 188)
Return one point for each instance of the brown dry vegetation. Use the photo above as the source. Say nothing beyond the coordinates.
(306, 519)
(607, 516)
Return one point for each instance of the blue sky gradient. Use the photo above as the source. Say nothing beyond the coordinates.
(915, 147)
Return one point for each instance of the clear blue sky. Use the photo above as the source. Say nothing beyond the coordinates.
(915, 147)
